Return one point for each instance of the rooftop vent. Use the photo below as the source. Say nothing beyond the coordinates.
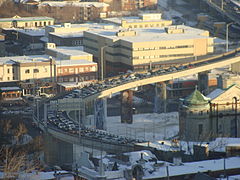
(174, 30)
(127, 32)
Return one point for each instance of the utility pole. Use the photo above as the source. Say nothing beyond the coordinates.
(227, 26)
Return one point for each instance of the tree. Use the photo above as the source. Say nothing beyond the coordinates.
(14, 162)
(21, 130)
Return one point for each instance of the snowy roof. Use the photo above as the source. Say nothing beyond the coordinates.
(218, 145)
(32, 32)
(74, 62)
(154, 34)
(24, 59)
(17, 18)
(194, 167)
(131, 19)
(196, 98)
(136, 155)
(68, 35)
(71, 3)
(215, 93)
(10, 89)
(71, 51)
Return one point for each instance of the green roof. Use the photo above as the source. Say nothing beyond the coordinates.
(196, 98)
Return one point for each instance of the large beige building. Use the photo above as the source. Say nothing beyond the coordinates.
(25, 22)
(137, 47)
(26, 68)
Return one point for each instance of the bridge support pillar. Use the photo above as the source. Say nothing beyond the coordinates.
(100, 113)
(235, 68)
(126, 107)
(203, 82)
(160, 99)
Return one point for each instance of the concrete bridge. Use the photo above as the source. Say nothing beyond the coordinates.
(202, 67)
(72, 143)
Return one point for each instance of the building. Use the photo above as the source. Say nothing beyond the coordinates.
(25, 22)
(66, 34)
(80, 11)
(72, 64)
(138, 47)
(40, 73)
(76, 70)
(10, 93)
(216, 115)
(145, 20)
(67, 53)
(2, 44)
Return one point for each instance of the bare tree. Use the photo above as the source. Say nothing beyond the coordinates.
(20, 131)
(13, 162)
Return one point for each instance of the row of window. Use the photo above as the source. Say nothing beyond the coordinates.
(37, 23)
(27, 71)
(89, 39)
(72, 79)
(118, 54)
(162, 56)
(153, 48)
(76, 70)
(146, 25)
(92, 48)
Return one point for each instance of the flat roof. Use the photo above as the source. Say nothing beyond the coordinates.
(68, 35)
(32, 32)
(70, 51)
(150, 34)
(131, 19)
(10, 88)
(40, 18)
(79, 32)
(24, 59)
(74, 62)
(72, 3)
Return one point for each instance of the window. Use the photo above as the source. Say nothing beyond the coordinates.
(26, 24)
(27, 71)
(35, 71)
(71, 70)
(8, 71)
(80, 69)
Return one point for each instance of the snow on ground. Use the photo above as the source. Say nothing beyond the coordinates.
(150, 127)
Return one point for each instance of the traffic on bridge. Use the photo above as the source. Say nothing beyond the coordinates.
(96, 90)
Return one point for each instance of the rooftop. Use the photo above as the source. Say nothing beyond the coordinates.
(150, 34)
(32, 32)
(70, 51)
(18, 18)
(74, 62)
(196, 98)
(131, 19)
(24, 59)
(72, 3)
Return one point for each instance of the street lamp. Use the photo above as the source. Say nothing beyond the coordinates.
(235, 119)
(102, 61)
(227, 26)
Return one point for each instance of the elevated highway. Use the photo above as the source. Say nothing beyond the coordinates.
(223, 9)
(71, 142)
(196, 67)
